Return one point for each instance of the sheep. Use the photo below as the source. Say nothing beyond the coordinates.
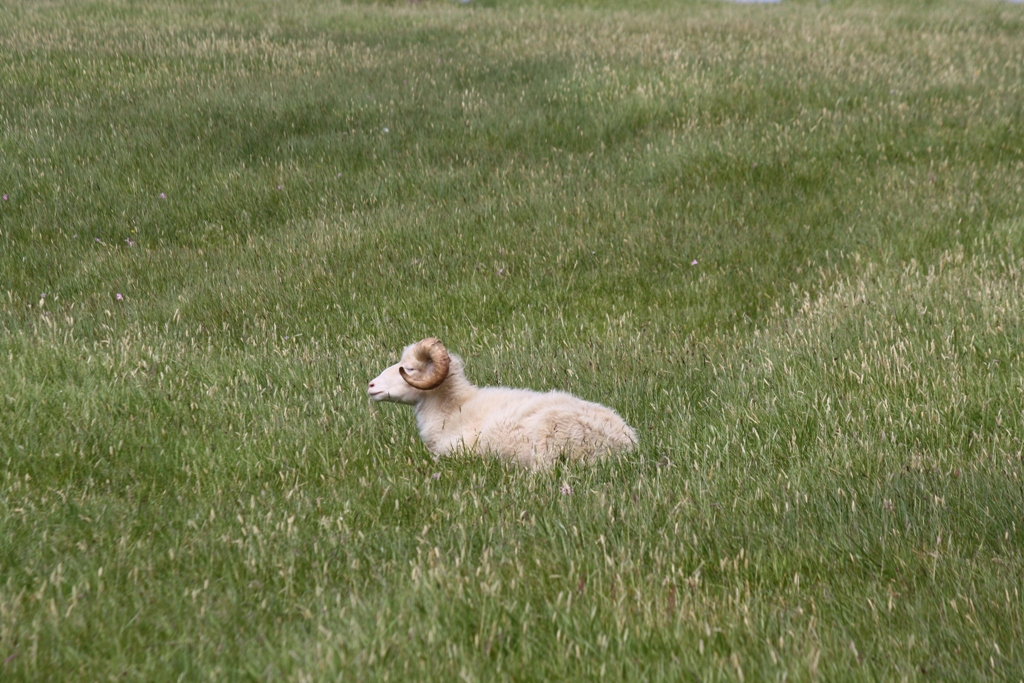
(526, 427)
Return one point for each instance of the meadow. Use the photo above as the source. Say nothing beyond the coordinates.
(785, 242)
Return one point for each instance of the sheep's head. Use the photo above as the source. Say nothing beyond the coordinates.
(424, 366)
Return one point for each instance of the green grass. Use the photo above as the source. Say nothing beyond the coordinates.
(222, 220)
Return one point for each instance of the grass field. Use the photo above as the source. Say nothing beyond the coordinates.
(785, 242)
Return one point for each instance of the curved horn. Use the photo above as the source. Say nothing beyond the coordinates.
(431, 350)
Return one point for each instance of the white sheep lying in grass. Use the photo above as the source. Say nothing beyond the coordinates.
(527, 427)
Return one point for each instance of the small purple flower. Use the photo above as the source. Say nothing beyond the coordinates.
(693, 262)
(5, 198)
(566, 489)
(280, 187)
(119, 297)
(435, 476)
(163, 196)
(128, 241)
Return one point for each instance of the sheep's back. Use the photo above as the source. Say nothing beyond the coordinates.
(534, 428)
